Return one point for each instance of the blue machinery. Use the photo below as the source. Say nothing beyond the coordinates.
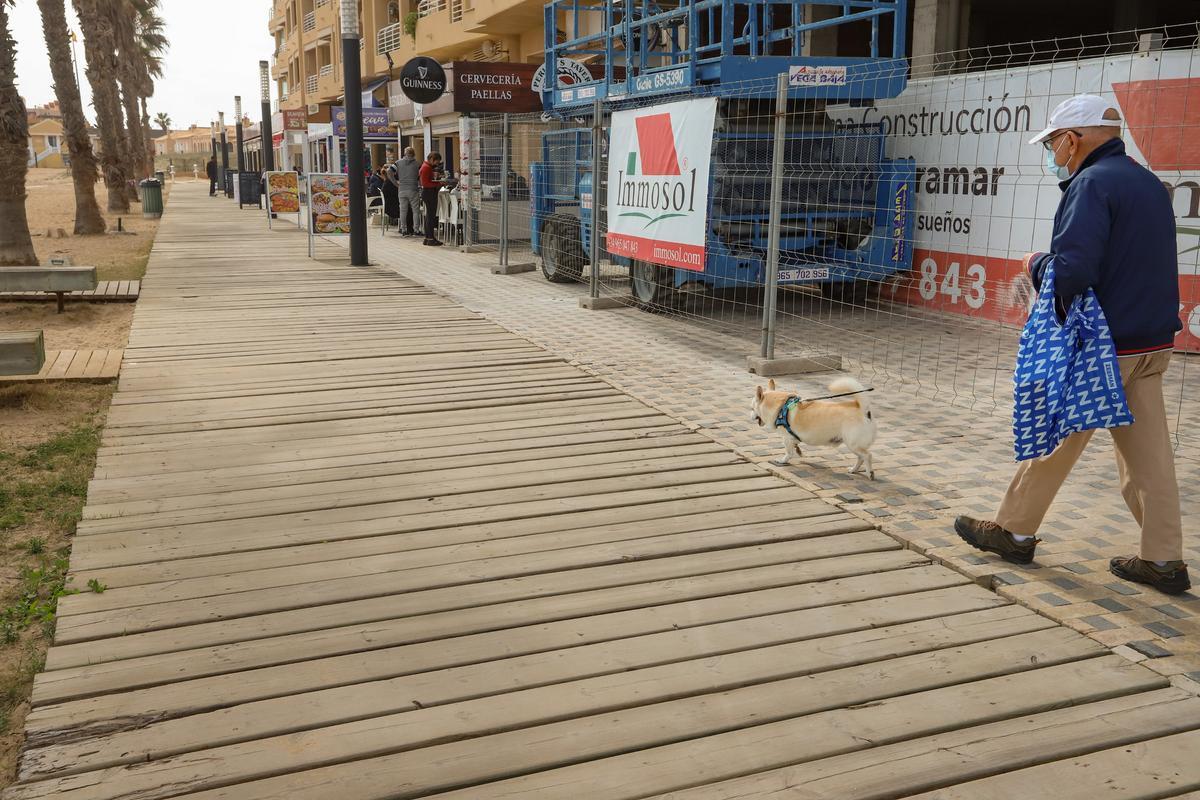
(846, 217)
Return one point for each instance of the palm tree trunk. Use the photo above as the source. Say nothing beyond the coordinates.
(16, 246)
(100, 46)
(149, 139)
(88, 219)
(134, 146)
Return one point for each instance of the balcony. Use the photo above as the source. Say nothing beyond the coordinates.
(389, 38)
(310, 84)
(446, 27)
(310, 22)
(326, 70)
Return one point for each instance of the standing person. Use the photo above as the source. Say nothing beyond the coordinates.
(391, 201)
(431, 184)
(408, 188)
(1114, 232)
(211, 171)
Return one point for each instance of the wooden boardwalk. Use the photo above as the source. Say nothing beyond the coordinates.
(96, 366)
(105, 292)
(360, 543)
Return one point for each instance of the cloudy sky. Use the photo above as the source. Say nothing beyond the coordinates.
(215, 49)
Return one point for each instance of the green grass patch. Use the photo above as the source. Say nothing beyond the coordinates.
(46, 485)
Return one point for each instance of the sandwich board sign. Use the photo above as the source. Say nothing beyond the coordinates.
(658, 167)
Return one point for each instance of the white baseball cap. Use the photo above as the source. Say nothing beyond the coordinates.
(1081, 111)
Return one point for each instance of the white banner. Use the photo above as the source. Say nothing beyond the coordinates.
(982, 196)
(658, 163)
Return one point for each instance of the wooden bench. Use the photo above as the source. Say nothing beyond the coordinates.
(22, 352)
(53, 280)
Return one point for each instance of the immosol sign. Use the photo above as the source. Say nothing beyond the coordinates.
(658, 182)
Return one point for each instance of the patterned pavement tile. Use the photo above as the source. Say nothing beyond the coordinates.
(945, 434)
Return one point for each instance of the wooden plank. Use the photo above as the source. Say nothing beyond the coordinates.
(581, 682)
(902, 769)
(212, 620)
(62, 363)
(470, 542)
(112, 363)
(823, 715)
(168, 663)
(1129, 772)
(796, 614)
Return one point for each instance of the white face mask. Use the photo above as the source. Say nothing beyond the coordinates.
(1062, 173)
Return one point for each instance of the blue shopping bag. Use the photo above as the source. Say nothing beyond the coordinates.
(1067, 378)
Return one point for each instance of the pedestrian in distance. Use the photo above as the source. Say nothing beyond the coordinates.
(391, 199)
(407, 179)
(1114, 233)
(431, 176)
(211, 171)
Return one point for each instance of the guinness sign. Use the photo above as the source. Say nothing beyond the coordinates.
(423, 80)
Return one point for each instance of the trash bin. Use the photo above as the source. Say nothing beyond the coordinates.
(152, 201)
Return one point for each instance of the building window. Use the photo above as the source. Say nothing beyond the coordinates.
(52, 141)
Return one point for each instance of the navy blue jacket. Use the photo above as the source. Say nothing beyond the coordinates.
(1114, 232)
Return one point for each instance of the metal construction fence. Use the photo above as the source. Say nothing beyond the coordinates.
(886, 238)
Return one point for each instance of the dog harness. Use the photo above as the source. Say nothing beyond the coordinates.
(781, 420)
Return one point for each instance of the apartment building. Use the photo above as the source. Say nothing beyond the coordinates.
(308, 64)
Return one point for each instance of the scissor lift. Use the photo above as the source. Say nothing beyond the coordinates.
(846, 217)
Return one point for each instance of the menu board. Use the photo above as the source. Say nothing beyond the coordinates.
(329, 204)
(283, 192)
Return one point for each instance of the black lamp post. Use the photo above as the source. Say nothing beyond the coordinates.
(224, 147)
(352, 82)
(268, 136)
(237, 127)
(212, 129)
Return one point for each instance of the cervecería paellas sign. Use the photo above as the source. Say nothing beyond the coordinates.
(495, 87)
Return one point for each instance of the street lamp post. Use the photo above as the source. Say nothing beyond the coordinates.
(237, 127)
(352, 82)
(224, 147)
(212, 129)
(268, 136)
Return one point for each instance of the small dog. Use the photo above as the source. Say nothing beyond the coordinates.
(820, 422)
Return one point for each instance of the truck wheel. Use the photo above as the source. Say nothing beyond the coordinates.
(562, 254)
(851, 293)
(650, 286)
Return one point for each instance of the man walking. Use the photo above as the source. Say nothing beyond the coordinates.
(1114, 232)
(431, 184)
(211, 170)
(407, 181)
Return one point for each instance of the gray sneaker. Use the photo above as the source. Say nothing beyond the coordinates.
(991, 538)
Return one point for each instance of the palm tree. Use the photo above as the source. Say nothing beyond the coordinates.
(16, 246)
(163, 121)
(99, 41)
(88, 219)
(124, 17)
(152, 46)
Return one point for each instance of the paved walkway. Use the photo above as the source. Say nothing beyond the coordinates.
(357, 541)
(935, 458)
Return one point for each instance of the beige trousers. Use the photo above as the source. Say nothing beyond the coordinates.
(1145, 461)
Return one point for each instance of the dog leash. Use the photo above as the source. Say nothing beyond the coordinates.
(831, 396)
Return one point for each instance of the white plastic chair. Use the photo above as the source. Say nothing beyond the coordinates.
(375, 209)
